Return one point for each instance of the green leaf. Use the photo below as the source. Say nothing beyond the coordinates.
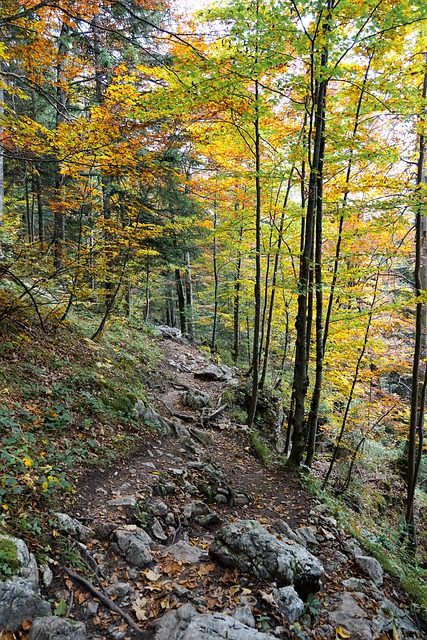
(61, 608)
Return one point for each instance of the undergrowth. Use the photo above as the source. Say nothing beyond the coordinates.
(372, 512)
(66, 404)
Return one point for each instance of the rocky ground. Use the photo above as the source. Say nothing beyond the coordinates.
(193, 538)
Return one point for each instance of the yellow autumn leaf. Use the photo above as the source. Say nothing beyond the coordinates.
(341, 632)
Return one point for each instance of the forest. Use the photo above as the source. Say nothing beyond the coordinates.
(250, 172)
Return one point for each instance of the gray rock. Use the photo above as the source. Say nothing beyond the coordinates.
(105, 529)
(195, 399)
(169, 332)
(354, 584)
(251, 548)
(47, 575)
(190, 488)
(371, 567)
(73, 527)
(134, 544)
(241, 498)
(149, 465)
(306, 537)
(229, 373)
(196, 508)
(169, 519)
(18, 602)
(157, 530)
(202, 436)
(352, 549)
(159, 508)
(149, 416)
(245, 616)
(211, 372)
(350, 615)
(390, 615)
(284, 529)
(184, 552)
(201, 513)
(119, 589)
(54, 628)
(186, 623)
(289, 603)
(123, 501)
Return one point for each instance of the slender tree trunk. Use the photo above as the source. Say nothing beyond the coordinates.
(147, 289)
(189, 296)
(181, 301)
(257, 289)
(353, 385)
(129, 301)
(236, 305)
(1, 165)
(418, 394)
(300, 382)
(61, 112)
(315, 399)
(216, 284)
(40, 210)
(170, 305)
(274, 282)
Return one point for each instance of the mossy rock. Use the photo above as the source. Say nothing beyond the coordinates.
(9, 559)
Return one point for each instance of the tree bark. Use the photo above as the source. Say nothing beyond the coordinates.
(257, 288)
(61, 111)
(189, 296)
(418, 393)
(2, 96)
(314, 208)
(181, 301)
(236, 305)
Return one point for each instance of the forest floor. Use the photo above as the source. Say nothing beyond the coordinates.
(162, 463)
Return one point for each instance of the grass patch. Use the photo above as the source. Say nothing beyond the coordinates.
(260, 450)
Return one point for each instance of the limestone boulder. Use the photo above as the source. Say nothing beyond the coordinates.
(54, 628)
(250, 547)
(18, 602)
(134, 544)
(186, 623)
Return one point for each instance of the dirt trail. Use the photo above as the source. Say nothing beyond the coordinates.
(162, 470)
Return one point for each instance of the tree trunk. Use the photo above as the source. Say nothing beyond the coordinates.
(300, 384)
(189, 296)
(274, 282)
(418, 393)
(216, 285)
(315, 399)
(236, 305)
(40, 210)
(181, 301)
(353, 384)
(1, 165)
(170, 305)
(314, 208)
(61, 111)
(257, 288)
